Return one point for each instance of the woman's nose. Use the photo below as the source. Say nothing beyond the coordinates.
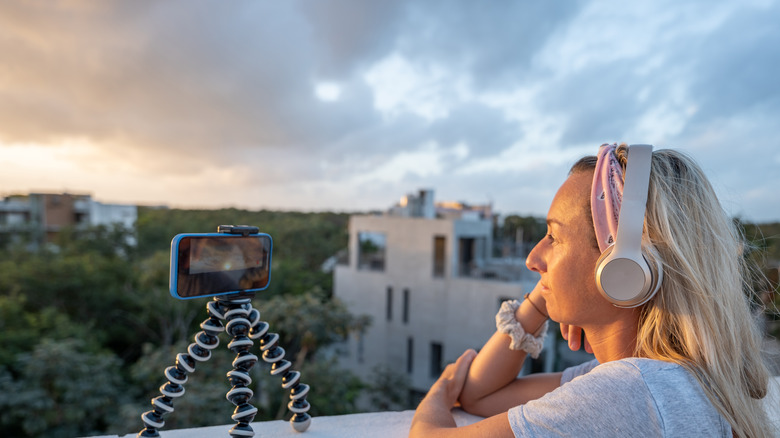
(534, 260)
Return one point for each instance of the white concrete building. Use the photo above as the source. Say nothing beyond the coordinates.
(429, 284)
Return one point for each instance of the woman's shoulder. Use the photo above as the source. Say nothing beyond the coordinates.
(647, 370)
(631, 397)
(629, 367)
(667, 384)
(670, 389)
(642, 365)
(640, 371)
(650, 373)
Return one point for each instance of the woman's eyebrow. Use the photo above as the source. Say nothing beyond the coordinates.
(551, 221)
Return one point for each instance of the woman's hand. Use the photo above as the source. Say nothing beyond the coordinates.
(450, 383)
(433, 416)
(573, 335)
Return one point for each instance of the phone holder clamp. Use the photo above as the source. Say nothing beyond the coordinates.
(243, 230)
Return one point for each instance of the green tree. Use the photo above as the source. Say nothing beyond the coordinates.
(162, 320)
(21, 329)
(518, 234)
(765, 252)
(59, 389)
(388, 389)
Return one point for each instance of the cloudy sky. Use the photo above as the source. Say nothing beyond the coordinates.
(349, 104)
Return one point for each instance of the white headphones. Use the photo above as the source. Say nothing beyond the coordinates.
(623, 275)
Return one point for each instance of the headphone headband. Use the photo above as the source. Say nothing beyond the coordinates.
(623, 275)
(632, 209)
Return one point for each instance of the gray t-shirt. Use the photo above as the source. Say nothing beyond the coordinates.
(626, 398)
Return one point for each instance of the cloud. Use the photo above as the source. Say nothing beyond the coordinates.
(494, 47)
(349, 104)
(737, 63)
(351, 34)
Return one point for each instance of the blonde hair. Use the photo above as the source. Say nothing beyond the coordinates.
(701, 317)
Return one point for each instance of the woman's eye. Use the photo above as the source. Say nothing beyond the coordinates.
(550, 236)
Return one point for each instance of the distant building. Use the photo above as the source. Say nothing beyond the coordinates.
(43, 215)
(424, 273)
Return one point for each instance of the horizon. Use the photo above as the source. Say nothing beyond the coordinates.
(497, 213)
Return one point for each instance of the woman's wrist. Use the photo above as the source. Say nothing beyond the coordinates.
(527, 297)
(531, 313)
(525, 327)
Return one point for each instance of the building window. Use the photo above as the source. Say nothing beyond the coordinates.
(436, 358)
(389, 303)
(439, 260)
(371, 251)
(409, 355)
(360, 348)
(466, 252)
(405, 315)
(472, 252)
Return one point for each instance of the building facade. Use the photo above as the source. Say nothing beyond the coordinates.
(43, 215)
(424, 274)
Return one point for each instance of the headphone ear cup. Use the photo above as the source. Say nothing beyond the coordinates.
(626, 280)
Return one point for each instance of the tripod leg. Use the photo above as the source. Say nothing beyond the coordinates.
(238, 327)
(274, 354)
(198, 351)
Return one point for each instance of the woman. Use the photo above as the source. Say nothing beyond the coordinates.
(685, 363)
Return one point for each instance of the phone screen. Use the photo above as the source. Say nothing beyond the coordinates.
(216, 264)
(211, 254)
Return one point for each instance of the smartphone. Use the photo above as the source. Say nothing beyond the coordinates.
(211, 264)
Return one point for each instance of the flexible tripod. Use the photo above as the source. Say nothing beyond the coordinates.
(244, 325)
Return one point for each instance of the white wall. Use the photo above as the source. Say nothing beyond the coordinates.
(107, 214)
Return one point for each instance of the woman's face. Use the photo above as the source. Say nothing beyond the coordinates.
(566, 257)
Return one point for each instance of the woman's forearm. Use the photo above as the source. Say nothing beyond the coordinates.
(496, 365)
(433, 416)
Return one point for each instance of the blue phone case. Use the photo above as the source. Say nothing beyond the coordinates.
(173, 279)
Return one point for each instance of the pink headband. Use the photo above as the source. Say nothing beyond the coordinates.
(606, 195)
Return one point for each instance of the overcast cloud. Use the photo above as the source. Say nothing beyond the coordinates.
(350, 104)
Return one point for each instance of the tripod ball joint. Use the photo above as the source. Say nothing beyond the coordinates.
(300, 422)
(298, 405)
(237, 324)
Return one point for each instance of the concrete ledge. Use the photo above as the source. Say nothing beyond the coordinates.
(373, 424)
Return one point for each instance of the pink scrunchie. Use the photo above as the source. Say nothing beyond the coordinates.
(606, 195)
